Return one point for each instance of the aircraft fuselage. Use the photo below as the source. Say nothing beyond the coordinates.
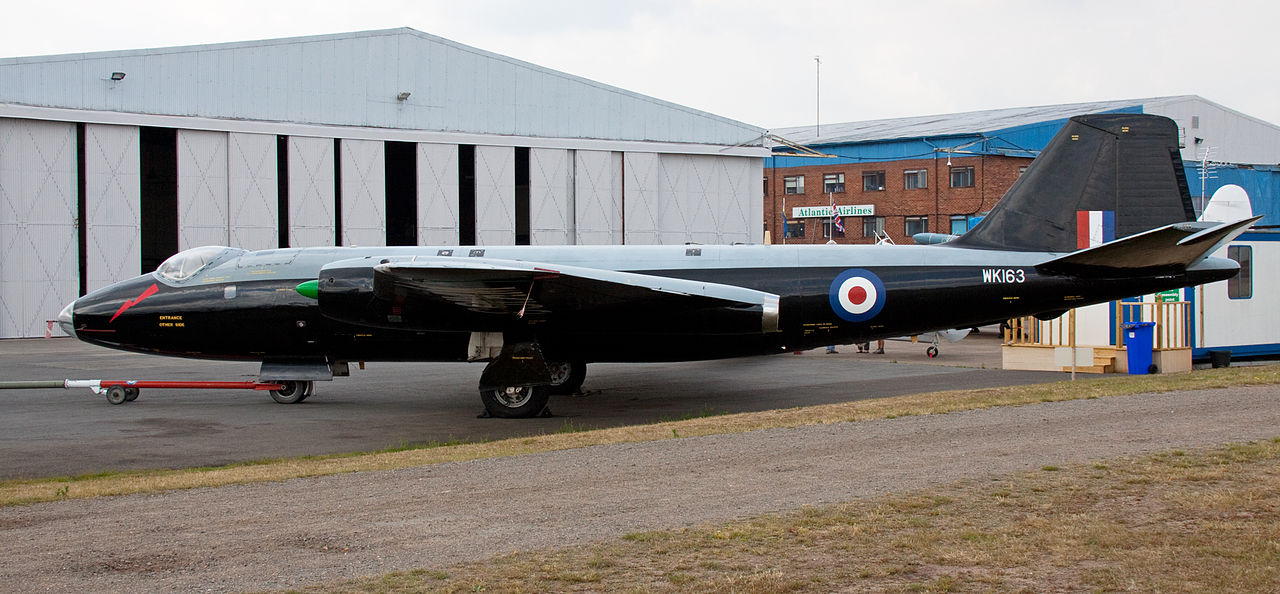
(246, 306)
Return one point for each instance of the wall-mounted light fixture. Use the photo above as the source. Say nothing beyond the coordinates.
(403, 95)
(117, 76)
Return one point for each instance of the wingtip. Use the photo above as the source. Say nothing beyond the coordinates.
(1221, 232)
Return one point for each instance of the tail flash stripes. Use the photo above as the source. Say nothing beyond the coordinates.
(1095, 227)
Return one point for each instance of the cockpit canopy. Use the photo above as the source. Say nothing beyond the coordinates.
(185, 264)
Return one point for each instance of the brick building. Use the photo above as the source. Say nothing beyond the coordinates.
(894, 198)
(904, 176)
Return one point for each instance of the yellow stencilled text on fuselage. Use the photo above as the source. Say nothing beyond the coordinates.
(170, 321)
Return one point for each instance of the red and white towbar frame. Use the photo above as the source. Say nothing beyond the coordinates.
(121, 391)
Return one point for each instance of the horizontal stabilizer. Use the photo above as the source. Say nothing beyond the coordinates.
(1172, 248)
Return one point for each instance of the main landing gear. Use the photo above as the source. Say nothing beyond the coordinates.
(521, 402)
(515, 402)
(518, 382)
(567, 377)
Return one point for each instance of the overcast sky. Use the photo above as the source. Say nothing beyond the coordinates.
(754, 60)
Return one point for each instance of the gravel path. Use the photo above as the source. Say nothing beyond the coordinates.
(310, 530)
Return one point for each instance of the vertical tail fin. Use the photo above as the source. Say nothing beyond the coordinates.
(1128, 165)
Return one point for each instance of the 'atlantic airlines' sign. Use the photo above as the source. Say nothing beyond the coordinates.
(845, 210)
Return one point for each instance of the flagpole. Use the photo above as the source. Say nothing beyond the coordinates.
(836, 222)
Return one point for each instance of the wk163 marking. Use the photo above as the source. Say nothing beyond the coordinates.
(1003, 275)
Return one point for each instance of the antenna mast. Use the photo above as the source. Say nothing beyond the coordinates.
(817, 97)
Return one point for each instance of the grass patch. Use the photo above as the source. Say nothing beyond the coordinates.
(705, 412)
(16, 492)
(1196, 521)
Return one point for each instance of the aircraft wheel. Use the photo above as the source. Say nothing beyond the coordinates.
(117, 395)
(931, 351)
(131, 394)
(567, 377)
(309, 391)
(293, 392)
(515, 402)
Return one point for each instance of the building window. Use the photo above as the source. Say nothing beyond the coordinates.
(918, 224)
(962, 177)
(793, 184)
(872, 225)
(828, 227)
(832, 182)
(1241, 285)
(917, 179)
(794, 229)
(959, 224)
(872, 181)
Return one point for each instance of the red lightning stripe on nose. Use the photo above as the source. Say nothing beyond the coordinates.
(132, 302)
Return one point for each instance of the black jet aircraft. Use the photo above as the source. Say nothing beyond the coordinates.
(539, 314)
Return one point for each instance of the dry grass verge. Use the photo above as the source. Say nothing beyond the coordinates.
(38, 490)
(1173, 522)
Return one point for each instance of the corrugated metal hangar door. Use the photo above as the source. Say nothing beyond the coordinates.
(550, 197)
(203, 207)
(311, 193)
(437, 194)
(597, 197)
(112, 204)
(495, 195)
(673, 199)
(253, 190)
(364, 186)
(39, 267)
(644, 201)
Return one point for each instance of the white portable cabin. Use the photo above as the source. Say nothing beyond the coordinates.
(1240, 315)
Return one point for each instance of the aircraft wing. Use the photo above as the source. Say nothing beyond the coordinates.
(518, 288)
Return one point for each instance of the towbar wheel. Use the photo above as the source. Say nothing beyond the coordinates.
(117, 395)
(293, 392)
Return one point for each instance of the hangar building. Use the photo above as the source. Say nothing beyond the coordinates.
(898, 177)
(112, 161)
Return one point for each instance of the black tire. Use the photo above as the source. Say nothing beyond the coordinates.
(567, 377)
(117, 395)
(293, 392)
(931, 351)
(515, 402)
(131, 394)
(309, 391)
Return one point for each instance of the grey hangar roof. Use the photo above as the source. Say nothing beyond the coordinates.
(355, 79)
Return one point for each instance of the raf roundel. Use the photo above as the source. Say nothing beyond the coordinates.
(857, 295)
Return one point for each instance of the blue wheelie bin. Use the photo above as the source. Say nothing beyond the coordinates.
(1137, 344)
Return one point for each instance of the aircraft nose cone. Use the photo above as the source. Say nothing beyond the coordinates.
(65, 320)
